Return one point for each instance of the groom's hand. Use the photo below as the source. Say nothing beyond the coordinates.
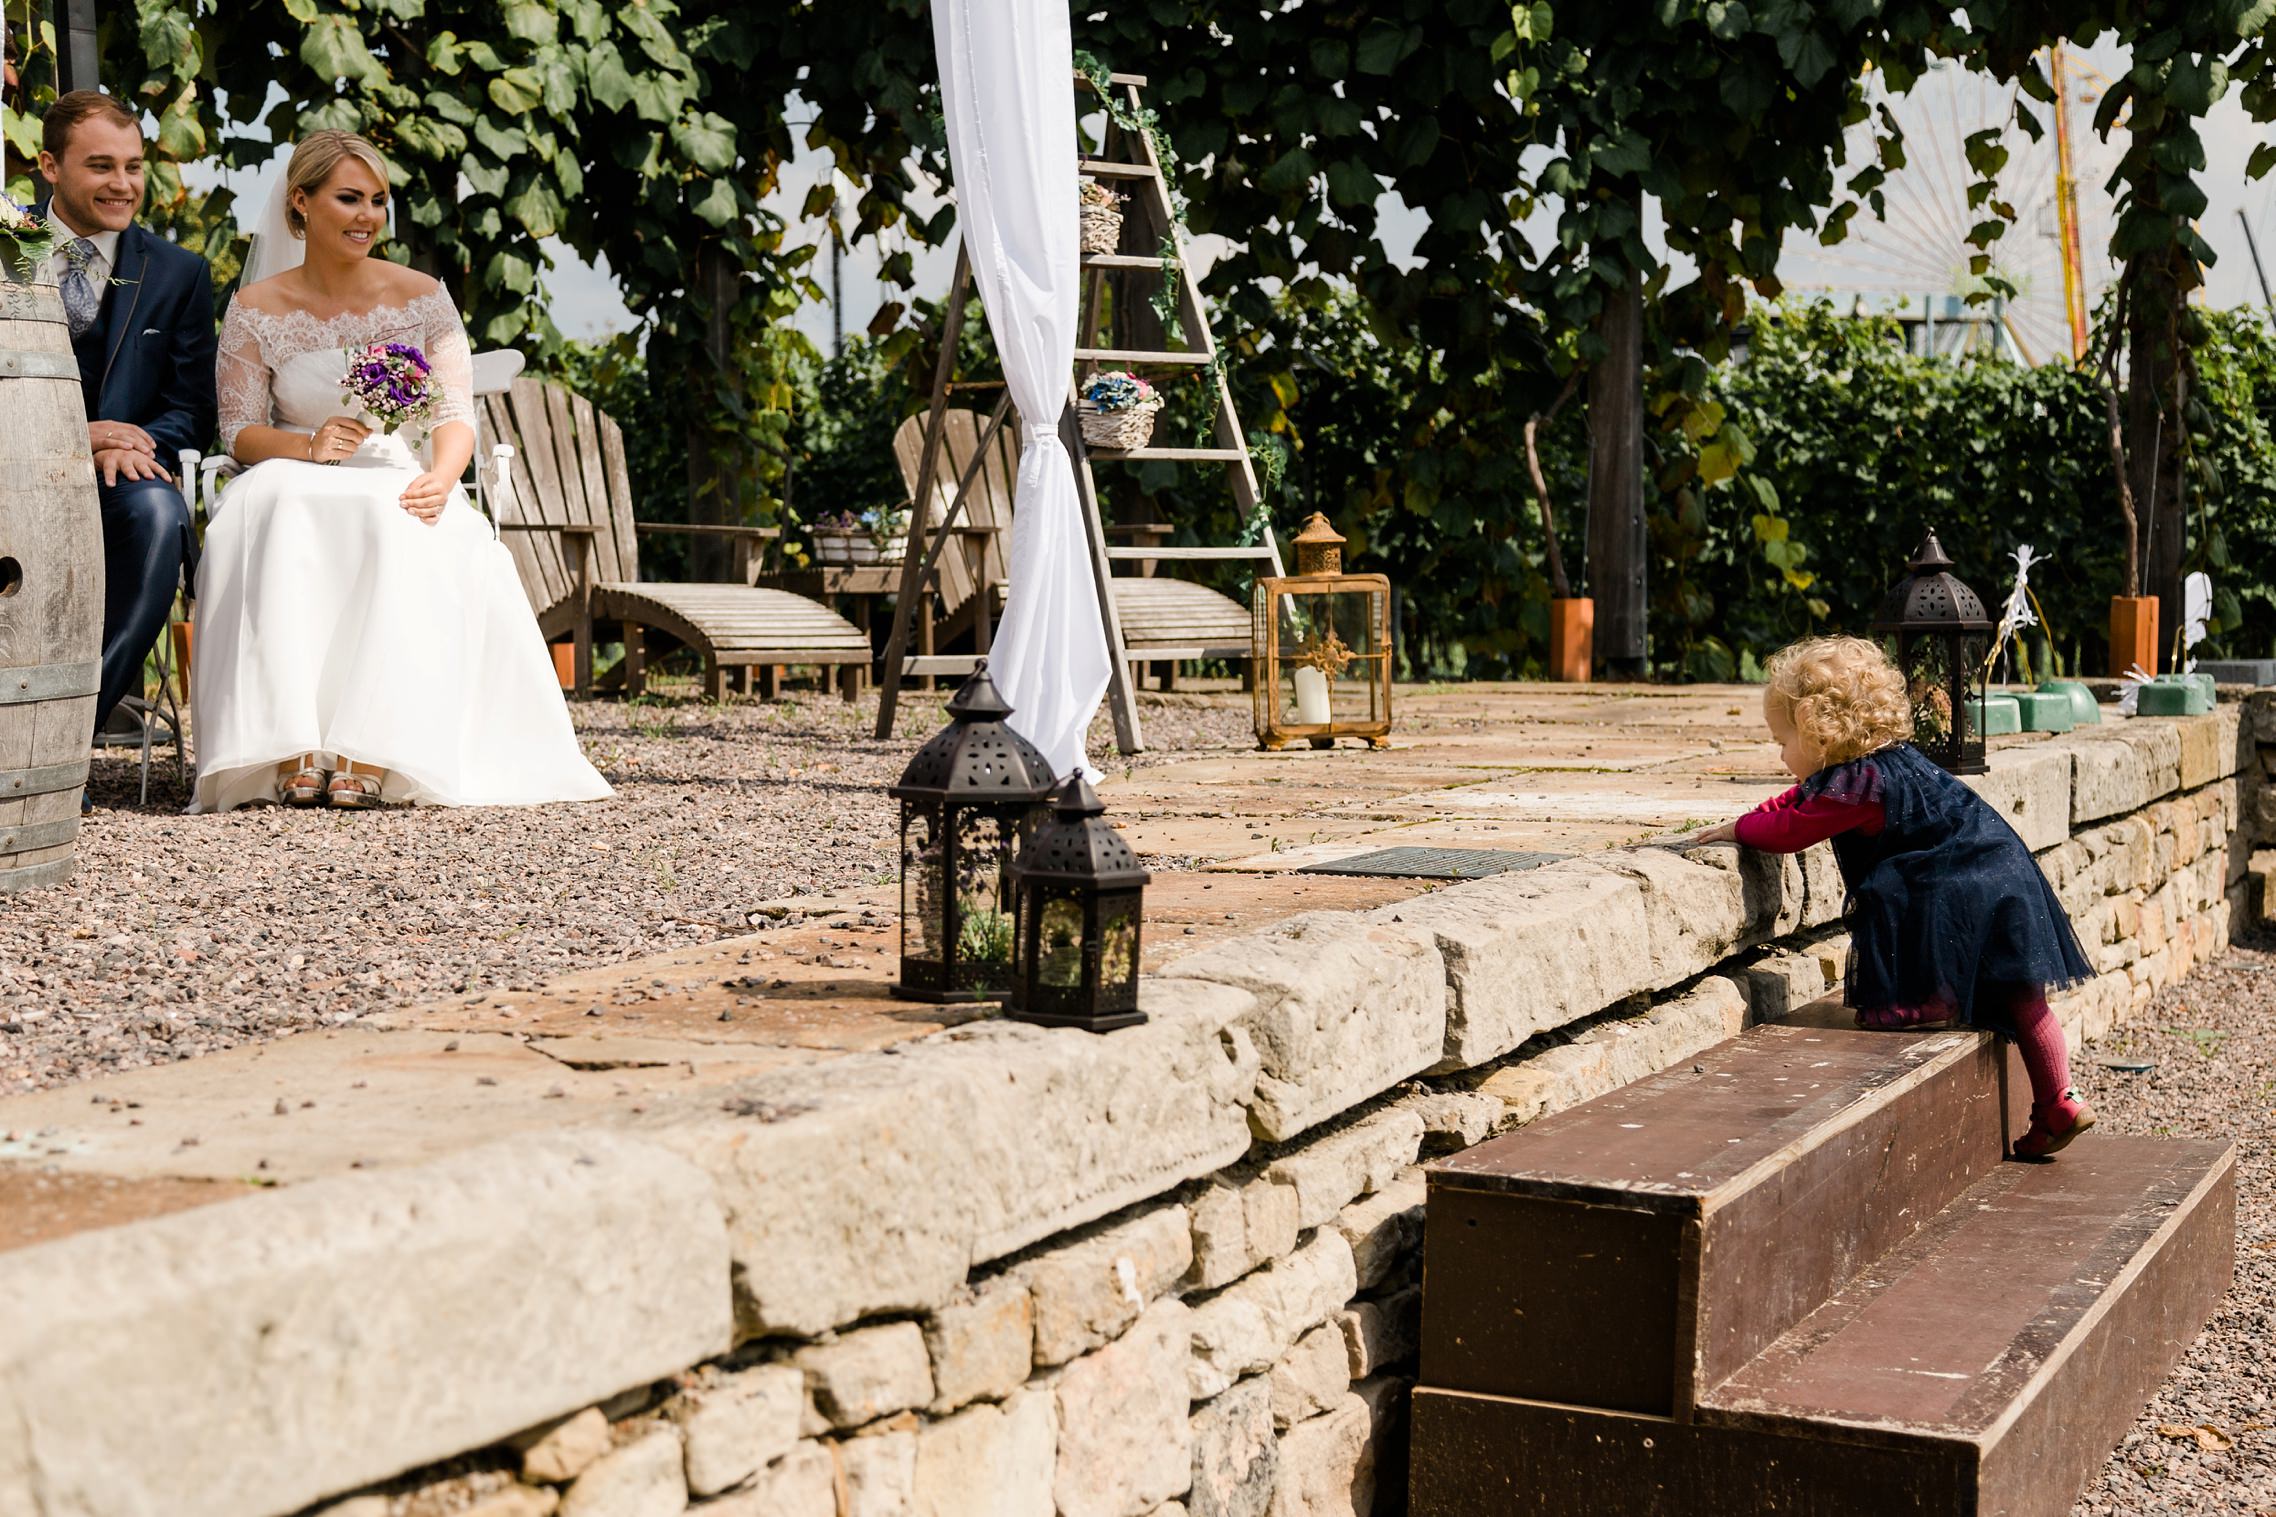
(120, 437)
(128, 463)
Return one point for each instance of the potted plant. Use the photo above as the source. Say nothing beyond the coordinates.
(1100, 210)
(877, 536)
(1117, 409)
(889, 533)
(839, 538)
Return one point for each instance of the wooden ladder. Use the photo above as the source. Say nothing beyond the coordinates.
(1125, 158)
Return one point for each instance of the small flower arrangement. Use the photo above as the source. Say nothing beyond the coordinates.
(1117, 410)
(25, 239)
(1119, 390)
(879, 536)
(1094, 193)
(391, 382)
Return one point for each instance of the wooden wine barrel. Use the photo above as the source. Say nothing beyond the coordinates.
(51, 590)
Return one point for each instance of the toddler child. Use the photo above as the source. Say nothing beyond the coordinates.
(1949, 917)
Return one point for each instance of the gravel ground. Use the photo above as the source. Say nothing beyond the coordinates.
(180, 935)
(2207, 1443)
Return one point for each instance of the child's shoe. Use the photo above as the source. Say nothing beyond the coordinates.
(2053, 1125)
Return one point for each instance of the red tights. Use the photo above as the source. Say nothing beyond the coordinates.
(2039, 1039)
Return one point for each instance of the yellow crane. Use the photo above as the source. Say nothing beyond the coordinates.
(2066, 207)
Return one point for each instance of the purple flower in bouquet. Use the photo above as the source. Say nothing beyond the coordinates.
(391, 382)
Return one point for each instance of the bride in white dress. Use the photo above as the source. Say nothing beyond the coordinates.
(361, 636)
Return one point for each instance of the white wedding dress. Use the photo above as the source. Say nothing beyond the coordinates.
(330, 620)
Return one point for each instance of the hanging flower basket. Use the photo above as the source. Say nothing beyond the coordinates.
(1101, 218)
(1116, 410)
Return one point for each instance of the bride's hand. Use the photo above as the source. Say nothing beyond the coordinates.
(427, 495)
(336, 439)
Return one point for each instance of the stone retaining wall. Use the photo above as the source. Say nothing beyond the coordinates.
(1005, 1271)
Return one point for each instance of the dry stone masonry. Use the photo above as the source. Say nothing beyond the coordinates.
(1004, 1271)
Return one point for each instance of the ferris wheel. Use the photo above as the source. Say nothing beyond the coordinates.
(1911, 260)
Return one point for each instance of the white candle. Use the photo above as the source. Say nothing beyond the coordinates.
(1312, 697)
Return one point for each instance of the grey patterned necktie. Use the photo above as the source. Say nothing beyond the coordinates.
(81, 300)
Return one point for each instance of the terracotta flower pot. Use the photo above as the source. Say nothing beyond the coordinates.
(182, 631)
(1572, 629)
(2133, 634)
(564, 663)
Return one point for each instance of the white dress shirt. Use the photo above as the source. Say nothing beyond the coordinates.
(98, 267)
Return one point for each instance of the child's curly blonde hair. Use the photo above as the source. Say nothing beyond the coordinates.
(1842, 694)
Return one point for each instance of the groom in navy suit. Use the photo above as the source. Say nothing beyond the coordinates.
(141, 315)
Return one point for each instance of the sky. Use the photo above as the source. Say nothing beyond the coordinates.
(1908, 256)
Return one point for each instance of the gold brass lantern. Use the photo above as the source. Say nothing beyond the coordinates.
(1322, 648)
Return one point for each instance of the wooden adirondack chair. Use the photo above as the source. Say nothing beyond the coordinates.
(1164, 620)
(978, 561)
(565, 512)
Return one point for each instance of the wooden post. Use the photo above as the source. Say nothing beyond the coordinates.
(1616, 543)
(78, 55)
(714, 496)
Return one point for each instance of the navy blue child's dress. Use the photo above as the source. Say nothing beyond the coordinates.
(1946, 906)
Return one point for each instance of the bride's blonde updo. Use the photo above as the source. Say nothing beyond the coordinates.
(313, 161)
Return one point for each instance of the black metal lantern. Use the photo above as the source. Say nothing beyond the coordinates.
(968, 799)
(1081, 894)
(1935, 628)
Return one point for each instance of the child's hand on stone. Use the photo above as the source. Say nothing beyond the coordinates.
(1727, 832)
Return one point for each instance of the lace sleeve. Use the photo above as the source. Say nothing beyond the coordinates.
(443, 339)
(240, 378)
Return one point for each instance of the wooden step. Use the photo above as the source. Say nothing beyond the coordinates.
(1987, 1365)
(1140, 356)
(1635, 1251)
(1170, 455)
(1121, 261)
(1211, 555)
(1106, 168)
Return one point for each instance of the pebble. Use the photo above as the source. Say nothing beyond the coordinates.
(2207, 1441)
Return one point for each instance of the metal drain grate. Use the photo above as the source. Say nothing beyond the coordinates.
(1435, 863)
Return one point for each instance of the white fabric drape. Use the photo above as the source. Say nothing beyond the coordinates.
(1007, 71)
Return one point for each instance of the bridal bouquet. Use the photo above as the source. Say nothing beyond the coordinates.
(391, 382)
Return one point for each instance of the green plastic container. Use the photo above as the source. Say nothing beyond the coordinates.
(2196, 696)
(2084, 711)
(2045, 710)
(1998, 715)
(2166, 698)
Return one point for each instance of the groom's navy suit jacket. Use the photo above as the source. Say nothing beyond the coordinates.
(148, 359)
